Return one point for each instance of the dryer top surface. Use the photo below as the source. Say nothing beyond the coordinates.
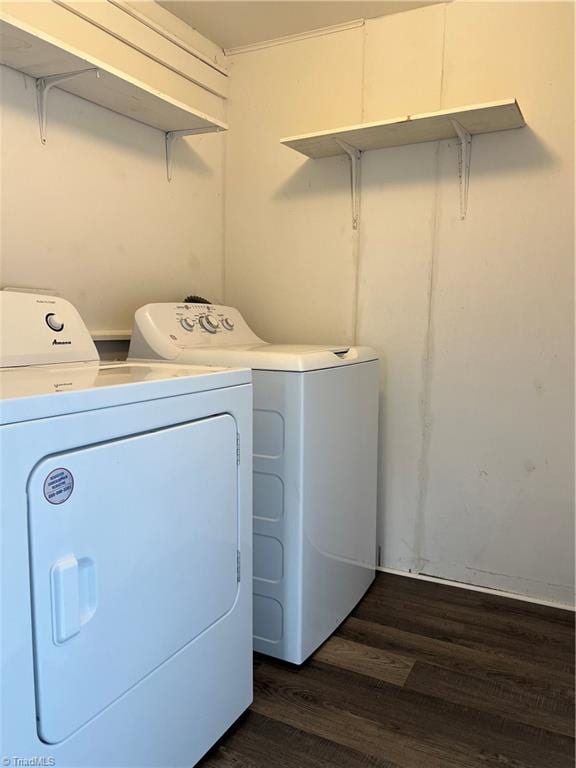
(35, 392)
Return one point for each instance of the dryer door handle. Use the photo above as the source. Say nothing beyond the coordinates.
(65, 599)
(73, 596)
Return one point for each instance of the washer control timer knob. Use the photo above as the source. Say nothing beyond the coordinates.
(53, 323)
(228, 324)
(187, 324)
(208, 323)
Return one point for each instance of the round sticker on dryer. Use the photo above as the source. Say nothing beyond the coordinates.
(58, 486)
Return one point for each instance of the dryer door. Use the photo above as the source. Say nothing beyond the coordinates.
(133, 555)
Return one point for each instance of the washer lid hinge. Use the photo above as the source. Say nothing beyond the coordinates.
(238, 565)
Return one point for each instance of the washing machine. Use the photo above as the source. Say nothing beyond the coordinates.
(126, 549)
(315, 465)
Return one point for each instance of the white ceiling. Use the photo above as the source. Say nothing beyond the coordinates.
(233, 23)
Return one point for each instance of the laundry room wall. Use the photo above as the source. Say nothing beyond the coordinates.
(472, 319)
(289, 264)
(91, 214)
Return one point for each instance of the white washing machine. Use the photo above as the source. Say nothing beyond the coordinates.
(126, 549)
(315, 464)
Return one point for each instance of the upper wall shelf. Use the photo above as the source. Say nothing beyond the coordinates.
(461, 123)
(411, 129)
(40, 56)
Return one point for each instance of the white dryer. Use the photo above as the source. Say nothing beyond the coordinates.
(126, 549)
(315, 464)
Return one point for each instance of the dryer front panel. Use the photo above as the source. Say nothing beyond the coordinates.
(133, 547)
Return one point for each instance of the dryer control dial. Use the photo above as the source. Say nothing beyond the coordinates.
(228, 324)
(54, 323)
(208, 323)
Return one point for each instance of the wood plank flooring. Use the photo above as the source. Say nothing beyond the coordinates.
(421, 675)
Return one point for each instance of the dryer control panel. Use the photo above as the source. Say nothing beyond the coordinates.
(36, 329)
(160, 327)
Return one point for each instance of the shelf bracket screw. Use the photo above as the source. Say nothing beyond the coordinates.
(464, 152)
(43, 86)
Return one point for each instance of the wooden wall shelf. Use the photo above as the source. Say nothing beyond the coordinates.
(459, 123)
(53, 63)
(410, 129)
(40, 57)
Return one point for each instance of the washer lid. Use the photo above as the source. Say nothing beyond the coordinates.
(279, 357)
(36, 392)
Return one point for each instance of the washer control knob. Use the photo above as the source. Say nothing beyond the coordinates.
(208, 323)
(228, 324)
(53, 322)
(187, 324)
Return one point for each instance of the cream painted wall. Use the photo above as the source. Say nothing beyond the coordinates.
(472, 319)
(92, 215)
(289, 262)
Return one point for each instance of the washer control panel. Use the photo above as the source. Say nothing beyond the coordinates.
(190, 325)
(207, 319)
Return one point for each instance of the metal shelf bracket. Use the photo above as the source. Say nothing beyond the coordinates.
(43, 86)
(170, 138)
(464, 151)
(355, 157)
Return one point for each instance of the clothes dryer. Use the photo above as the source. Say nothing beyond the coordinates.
(126, 549)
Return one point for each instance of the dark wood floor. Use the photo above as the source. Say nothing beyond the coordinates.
(420, 676)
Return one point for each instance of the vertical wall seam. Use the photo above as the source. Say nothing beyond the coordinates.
(443, 54)
(363, 72)
(223, 207)
(426, 421)
(224, 211)
(425, 393)
(356, 234)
